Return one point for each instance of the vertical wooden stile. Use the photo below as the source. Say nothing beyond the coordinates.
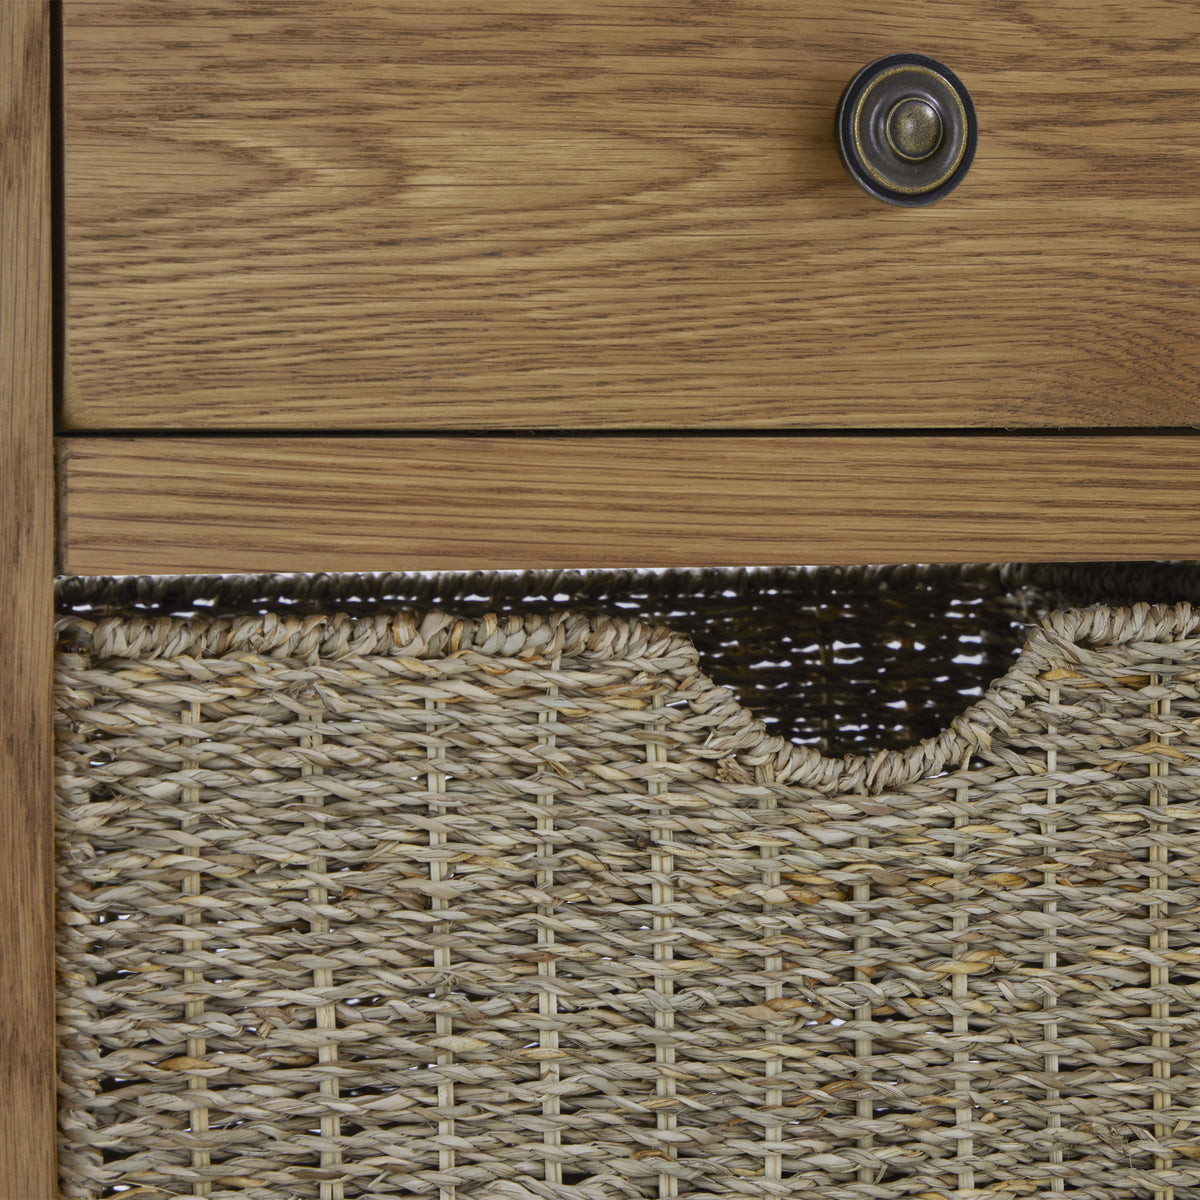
(27, 1109)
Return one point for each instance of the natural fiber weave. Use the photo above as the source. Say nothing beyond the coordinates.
(423, 906)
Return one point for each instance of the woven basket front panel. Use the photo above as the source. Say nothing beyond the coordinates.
(432, 907)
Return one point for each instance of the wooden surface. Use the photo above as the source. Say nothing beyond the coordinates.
(130, 506)
(27, 1078)
(618, 214)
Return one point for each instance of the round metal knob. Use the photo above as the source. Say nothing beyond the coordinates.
(914, 129)
(906, 129)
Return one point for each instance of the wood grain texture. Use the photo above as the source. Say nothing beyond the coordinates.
(315, 215)
(27, 1076)
(148, 505)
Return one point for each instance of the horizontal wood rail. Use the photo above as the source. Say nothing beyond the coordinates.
(182, 505)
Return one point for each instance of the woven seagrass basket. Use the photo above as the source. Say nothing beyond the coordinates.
(511, 887)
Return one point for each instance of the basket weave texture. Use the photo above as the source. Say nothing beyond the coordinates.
(422, 905)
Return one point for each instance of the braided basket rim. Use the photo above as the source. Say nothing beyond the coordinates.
(1062, 636)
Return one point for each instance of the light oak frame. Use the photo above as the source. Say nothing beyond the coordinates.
(219, 504)
(27, 1075)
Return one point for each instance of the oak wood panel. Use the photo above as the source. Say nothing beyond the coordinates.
(183, 505)
(27, 1077)
(495, 214)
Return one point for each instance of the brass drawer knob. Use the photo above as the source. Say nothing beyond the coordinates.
(906, 129)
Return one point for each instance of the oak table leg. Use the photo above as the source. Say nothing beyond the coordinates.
(27, 1076)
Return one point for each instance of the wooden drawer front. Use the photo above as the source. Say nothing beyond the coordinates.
(320, 215)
